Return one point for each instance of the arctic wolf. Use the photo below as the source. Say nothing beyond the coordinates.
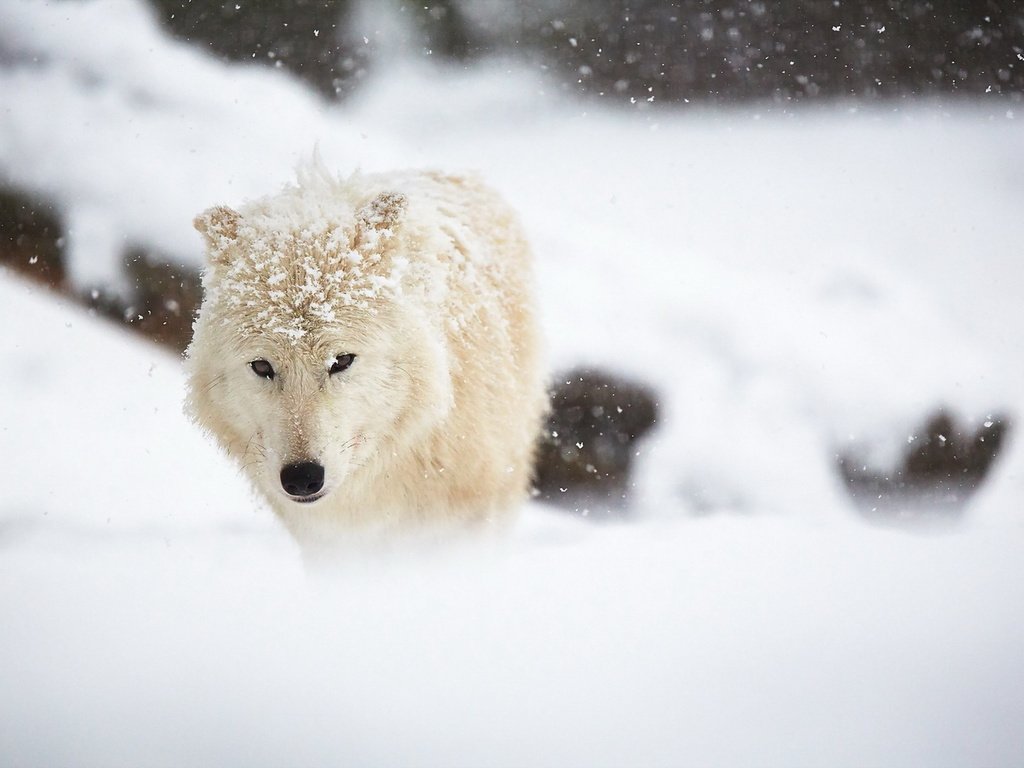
(367, 350)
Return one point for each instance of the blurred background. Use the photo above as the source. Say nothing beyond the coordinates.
(674, 51)
(726, 150)
(779, 266)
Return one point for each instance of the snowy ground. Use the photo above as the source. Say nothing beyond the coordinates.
(793, 285)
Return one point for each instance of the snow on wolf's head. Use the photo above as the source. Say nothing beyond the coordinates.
(313, 352)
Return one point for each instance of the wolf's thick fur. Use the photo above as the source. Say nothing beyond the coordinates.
(424, 277)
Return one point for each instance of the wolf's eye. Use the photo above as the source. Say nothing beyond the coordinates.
(341, 362)
(262, 368)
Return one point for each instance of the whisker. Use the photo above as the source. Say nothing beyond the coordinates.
(214, 382)
(406, 373)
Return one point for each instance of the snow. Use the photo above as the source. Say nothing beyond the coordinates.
(792, 284)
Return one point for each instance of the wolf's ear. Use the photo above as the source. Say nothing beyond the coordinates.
(218, 226)
(379, 217)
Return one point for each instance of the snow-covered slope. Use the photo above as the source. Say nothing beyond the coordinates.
(154, 615)
(792, 285)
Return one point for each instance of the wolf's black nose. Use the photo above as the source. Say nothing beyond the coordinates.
(302, 479)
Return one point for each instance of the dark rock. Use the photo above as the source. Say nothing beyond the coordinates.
(784, 51)
(164, 296)
(301, 36)
(31, 238)
(941, 469)
(312, 39)
(586, 452)
(446, 31)
(163, 303)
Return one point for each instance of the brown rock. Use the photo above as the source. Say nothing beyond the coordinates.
(586, 453)
(943, 466)
(31, 238)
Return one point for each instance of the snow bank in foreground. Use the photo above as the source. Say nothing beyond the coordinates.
(155, 615)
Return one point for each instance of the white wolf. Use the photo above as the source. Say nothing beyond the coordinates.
(367, 350)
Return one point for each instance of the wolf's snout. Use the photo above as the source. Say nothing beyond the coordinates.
(303, 479)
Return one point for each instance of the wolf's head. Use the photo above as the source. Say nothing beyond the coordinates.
(312, 362)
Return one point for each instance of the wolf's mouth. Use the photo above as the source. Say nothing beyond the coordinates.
(306, 499)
